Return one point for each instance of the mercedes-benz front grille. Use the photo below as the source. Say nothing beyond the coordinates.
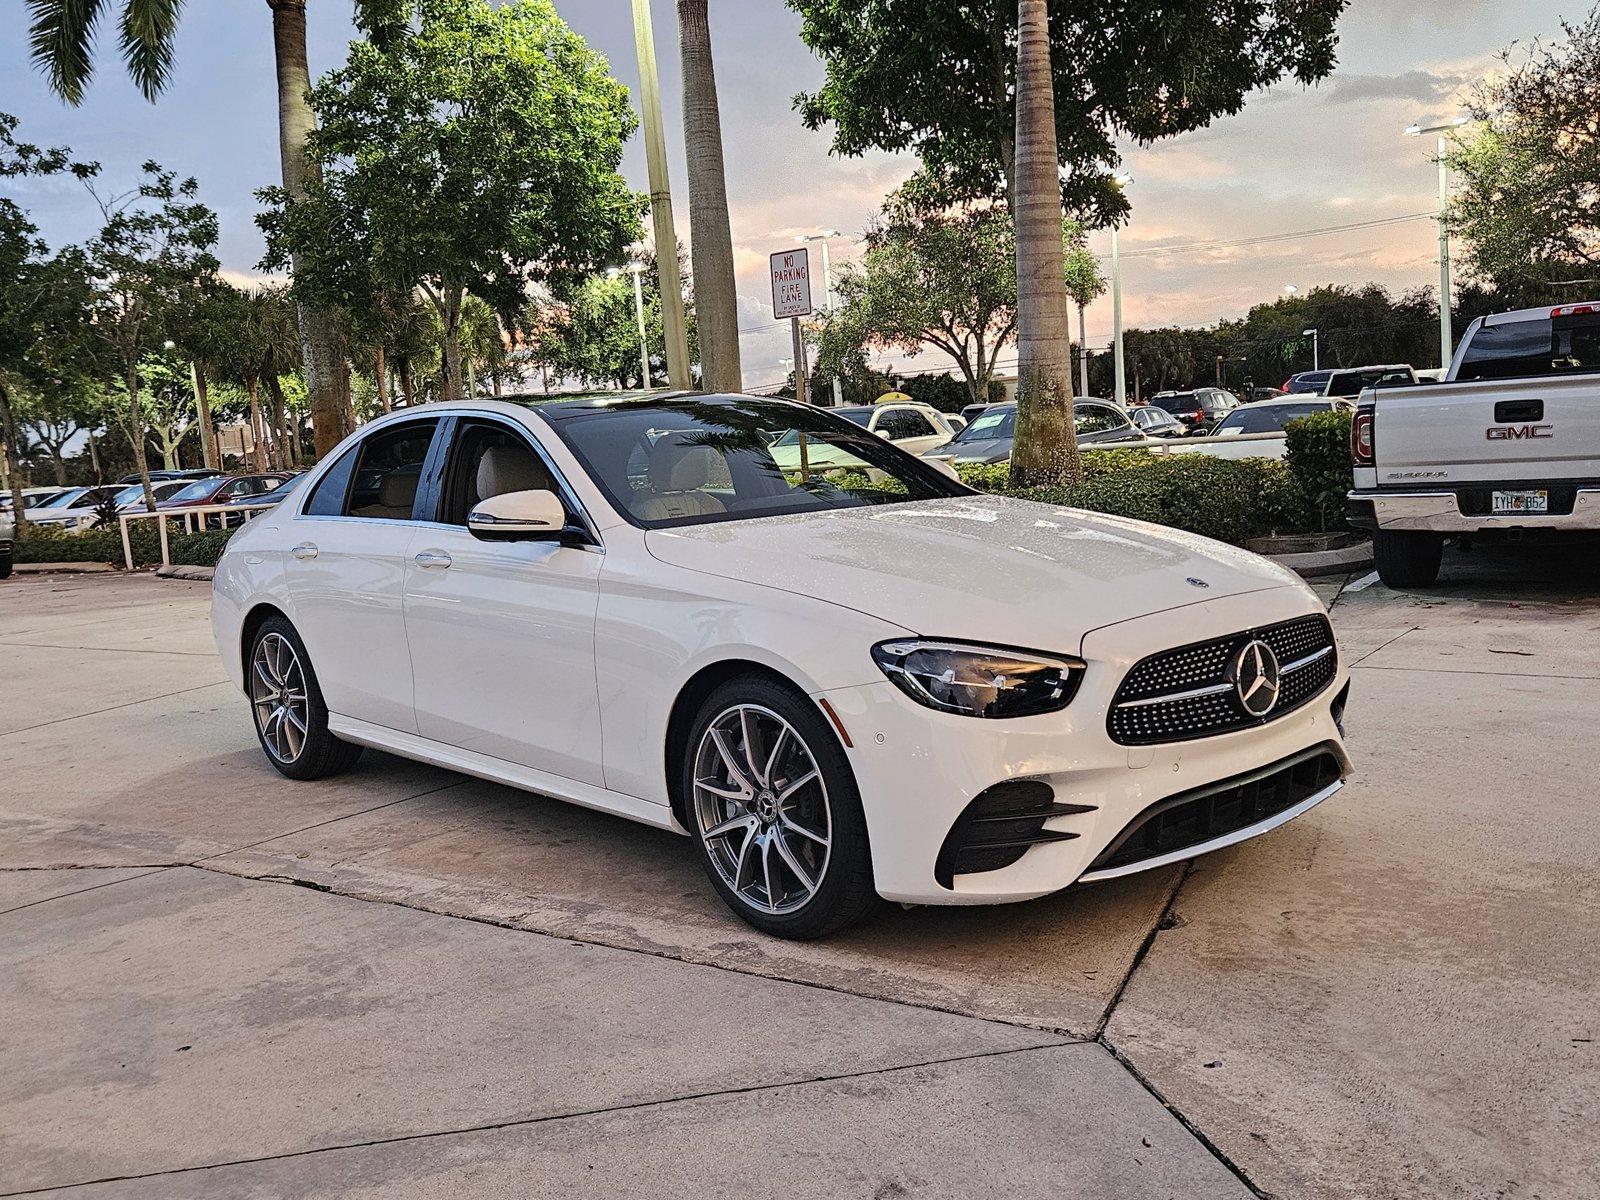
(1200, 690)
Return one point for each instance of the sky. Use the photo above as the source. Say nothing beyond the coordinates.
(1294, 159)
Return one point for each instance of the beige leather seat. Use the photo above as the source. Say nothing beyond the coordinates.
(676, 472)
(503, 469)
(396, 493)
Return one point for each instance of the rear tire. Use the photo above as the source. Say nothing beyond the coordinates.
(762, 766)
(1406, 559)
(286, 704)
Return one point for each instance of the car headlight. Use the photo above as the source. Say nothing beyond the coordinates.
(979, 681)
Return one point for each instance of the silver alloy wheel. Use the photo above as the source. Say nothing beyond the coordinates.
(278, 697)
(762, 809)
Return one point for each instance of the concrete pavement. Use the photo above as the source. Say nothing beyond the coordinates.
(1391, 996)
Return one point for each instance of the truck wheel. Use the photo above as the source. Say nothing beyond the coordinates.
(1407, 560)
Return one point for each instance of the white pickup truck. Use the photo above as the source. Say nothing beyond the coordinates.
(1508, 445)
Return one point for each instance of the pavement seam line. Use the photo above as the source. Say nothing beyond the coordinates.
(523, 1122)
(1384, 646)
(1144, 948)
(1462, 671)
(93, 887)
(1195, 1131)
(573, 938)
(96, 867)
(114, 707)
(107, 649)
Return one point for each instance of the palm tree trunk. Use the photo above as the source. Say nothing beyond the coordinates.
(257, 432)
(319, 345)
(202, 404)
(13, 463)
(380, 371)
(716, 299)
(1046, 441)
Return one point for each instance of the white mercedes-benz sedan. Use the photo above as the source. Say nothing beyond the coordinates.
(845, 681)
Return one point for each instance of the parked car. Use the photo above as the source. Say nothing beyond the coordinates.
(1255, 395)
(1311, 382)
(1351, 382)
(969, 414)
(911, 426)
(224, 489)
(175, 473)
(715, 646)
(83, 497)
(1256, 430)
(1155, 422)
(1507, 446)
(32, 498)
(1199, 409)
(275, 496)
(126, 499)
(989, 439)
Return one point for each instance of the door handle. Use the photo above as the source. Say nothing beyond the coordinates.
(304, 550)
(433, 558)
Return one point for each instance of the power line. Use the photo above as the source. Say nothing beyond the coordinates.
(1267, 238)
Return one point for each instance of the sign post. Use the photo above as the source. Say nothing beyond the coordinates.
(791, 298)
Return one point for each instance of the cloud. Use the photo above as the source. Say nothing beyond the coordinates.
(1423, 87)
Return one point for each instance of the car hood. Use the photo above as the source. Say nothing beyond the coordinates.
(988, 450)
(980, 568)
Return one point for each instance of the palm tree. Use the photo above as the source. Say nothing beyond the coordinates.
(716, 298)
(61, 34)
(1046, 447)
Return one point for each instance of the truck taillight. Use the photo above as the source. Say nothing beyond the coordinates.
(1361, 427)
(1572, 310)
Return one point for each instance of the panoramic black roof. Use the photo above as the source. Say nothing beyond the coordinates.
(559, 410)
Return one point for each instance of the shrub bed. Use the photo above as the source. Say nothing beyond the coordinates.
(51, 544)
(1318, 457)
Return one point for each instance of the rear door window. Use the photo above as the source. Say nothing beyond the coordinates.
(1558, 345)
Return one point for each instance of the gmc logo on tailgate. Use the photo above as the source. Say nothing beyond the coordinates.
(1516, 433)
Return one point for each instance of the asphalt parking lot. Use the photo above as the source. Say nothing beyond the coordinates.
(407, 983)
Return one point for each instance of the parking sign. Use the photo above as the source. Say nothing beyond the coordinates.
(791, 284)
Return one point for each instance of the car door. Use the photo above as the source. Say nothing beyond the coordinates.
(911, 430)
(345, 572)
(1099, 424)
(502, 633)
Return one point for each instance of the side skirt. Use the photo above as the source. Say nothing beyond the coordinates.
(498, 770)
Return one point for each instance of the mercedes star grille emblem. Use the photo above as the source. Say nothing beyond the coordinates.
(1255, 677)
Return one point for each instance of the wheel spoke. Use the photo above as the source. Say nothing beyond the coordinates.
(293, 736)
(766, 870)
(716, 789)
(744, 858)
(795, 785)
(295, 719)
(794, 826)
(731, 826)
(792, 861)
(748, 728)
(772, 756)
(264, 676)
(729, 760)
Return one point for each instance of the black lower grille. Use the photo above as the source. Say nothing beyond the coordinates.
(1192, 818)
(1188, 692)
(999, 826)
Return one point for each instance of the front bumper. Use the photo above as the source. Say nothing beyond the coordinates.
(1444, 512)
(918, 769)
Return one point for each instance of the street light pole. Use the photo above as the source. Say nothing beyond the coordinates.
(655, 145)
(1316, 356)
(1446, 333)
(827, 293)
(637, 270)
(1083, 354)
(1119, 366)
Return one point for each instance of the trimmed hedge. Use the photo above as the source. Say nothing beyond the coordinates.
(1318, 456)
(51, 544)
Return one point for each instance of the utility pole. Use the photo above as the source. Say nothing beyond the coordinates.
(1119, 368)
(1083, 354)
(637, 270)
(655, 146)
(1446, 333)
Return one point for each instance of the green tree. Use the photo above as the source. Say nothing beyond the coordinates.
(153, 248)
(477, 153)
(946, 280)
(62, 34)
(1527, 200)
(594, 337)
(940, 78)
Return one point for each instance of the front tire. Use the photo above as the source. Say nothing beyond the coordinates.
(286, 703)
(774, 810)
(1405, 559)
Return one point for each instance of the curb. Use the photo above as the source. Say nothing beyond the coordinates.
(62, 568)
(1327, 562)
(196, 573)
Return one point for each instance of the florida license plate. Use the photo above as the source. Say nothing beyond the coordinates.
(1511, 503)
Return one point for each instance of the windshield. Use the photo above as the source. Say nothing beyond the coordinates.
(990, 424)
(1269, 418)
(1308, 381)
(690, 462)
(195, 491)
(64, 500)
(1176, 402)
(1563, 345)
(1353, 383)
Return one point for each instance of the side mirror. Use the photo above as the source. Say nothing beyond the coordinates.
(518, 517)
